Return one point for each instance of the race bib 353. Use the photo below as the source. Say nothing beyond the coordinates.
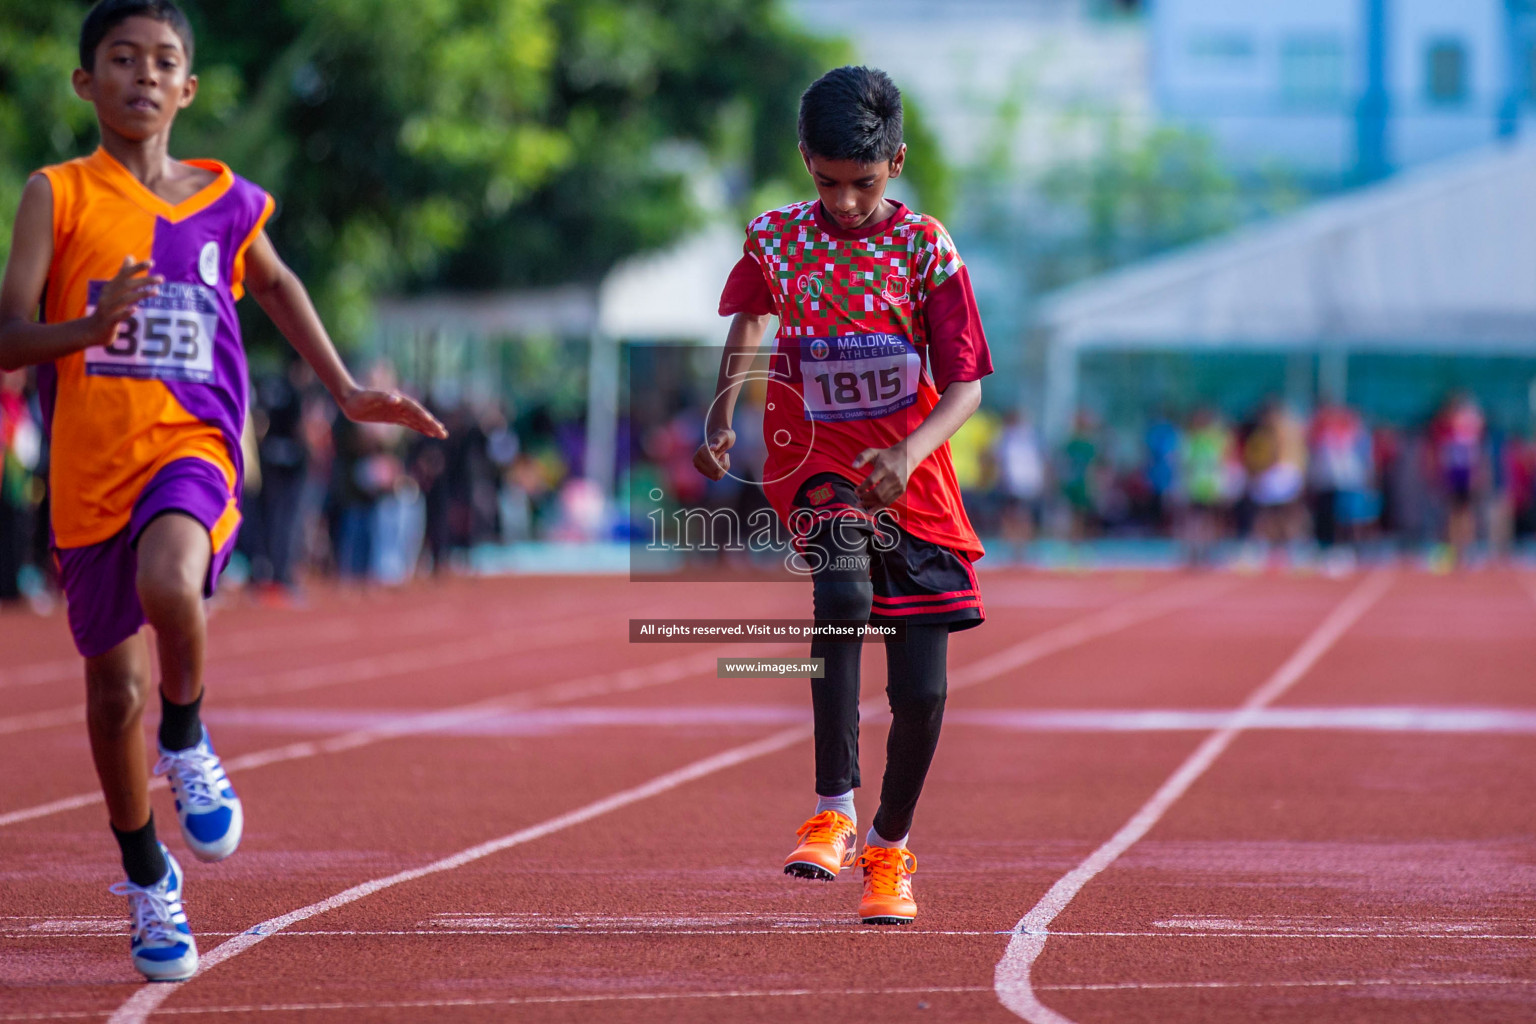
(169, 337)
(858, 376)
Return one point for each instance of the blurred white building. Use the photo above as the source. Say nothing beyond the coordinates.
(1018, 80)
(1347, 90)
(1384, 297)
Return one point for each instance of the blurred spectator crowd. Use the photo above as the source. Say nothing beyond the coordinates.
(372, 503)
(1273, 486)
(365, 503)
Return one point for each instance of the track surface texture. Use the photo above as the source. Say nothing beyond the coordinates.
(1159, 798)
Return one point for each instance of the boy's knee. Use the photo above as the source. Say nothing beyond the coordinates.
(922, 703)
(919, 698)
(843, 600)
(173, 556)
(167, 586)
(114, 701)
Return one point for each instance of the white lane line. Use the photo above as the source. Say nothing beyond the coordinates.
(623, 681)
(144, 1002)
(570, 933)
(42, 719)
(1407, 934)
(436, 1004)
(644, 997)
(228, 642)
(1517, 721)
(533, 722)
(225, 644)
(1011, 979)
(239, 642)
(1138, 609)
(1336, 923)
(1145, 986)
(456, 652)
(116, 933)
(1166, 599)
(1089, 627)
(354, 670)
(550, 721)
(39, 672)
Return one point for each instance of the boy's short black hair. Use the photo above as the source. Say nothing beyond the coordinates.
(852, 113)
(108, 14)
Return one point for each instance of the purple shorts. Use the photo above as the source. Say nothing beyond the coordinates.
(99, 579)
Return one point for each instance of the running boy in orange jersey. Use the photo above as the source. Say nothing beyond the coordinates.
(885, 356)
(137, 260)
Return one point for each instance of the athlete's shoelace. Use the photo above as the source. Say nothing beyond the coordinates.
(890, 870)
(154, 912)
(826, 827)
(198, 770)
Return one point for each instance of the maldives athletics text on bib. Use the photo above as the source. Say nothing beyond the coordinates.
(169, 337)
(858, 376)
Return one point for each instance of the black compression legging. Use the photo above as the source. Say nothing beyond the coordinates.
(916, 686)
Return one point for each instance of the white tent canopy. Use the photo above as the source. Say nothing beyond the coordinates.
(1442, 259)
(668, 296)
(672, 295)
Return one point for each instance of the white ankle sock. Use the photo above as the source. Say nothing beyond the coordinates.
(841, 804)
(873, 838)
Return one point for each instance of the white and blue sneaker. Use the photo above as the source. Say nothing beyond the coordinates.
(163, 947)
(206, 805)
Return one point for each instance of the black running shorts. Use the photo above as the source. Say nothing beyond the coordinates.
(916, 581)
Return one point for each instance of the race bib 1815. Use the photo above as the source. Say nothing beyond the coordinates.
(858, 376)
(170, 337)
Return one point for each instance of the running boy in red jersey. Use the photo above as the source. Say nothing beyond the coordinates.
(885, 354)
(137, 261)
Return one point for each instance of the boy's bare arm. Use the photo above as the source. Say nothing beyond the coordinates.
(744, 337)
(891, 467)
(957, 404)
(24, 341)
(281, 294)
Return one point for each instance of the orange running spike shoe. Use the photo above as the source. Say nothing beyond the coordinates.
(827, 844)
(887, 886)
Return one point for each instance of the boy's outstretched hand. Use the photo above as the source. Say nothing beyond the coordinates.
(712, 459)
(365, 405)
(887, 479)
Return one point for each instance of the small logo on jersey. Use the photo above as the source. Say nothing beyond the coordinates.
(208, 264)
(819, 495)
(810, 285)
(896, 289)
(819, 348)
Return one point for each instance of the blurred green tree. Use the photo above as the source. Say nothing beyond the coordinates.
(1137, 197)
(457, 143)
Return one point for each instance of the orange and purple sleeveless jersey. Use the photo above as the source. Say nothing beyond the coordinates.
(172, 384)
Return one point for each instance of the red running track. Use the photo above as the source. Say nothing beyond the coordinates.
(478, 802)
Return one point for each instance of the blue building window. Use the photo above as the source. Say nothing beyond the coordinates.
(1445, 72)
(1226, 48)
(1312, 71)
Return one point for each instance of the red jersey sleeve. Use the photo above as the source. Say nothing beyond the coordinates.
(746, 291)
(957, 346)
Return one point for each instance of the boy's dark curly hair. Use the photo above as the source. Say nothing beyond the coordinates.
(109, 14)
(852, 113)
